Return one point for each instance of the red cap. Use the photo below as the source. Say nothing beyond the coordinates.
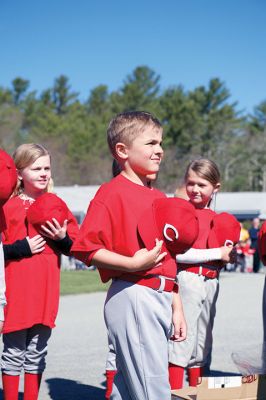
(44, 208)
(172, 220)
(8, 176)
(225, 229)
(262, 243)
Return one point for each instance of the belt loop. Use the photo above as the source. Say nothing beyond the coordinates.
(162, 284)
(200, 270)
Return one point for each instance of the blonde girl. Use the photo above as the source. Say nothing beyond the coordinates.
(198, 273)
(32, 274)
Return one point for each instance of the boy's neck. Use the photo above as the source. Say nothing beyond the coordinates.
(139, 180)
(202, 207)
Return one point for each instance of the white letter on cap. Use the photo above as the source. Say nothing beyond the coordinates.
(169, 226)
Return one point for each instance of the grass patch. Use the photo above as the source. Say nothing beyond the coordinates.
(84, 281)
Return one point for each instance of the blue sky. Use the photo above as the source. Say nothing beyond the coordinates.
(186, 42)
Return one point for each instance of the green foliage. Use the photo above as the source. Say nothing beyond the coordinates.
(139, 91)
(197, 123)
(98, 102)
(179, 119)
(5, 96)
(20, 86)
(61, 95)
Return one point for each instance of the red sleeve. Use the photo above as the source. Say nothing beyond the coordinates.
(95, 233)
(72, 226)
(262, 243)
(2, 220)
(15, 215)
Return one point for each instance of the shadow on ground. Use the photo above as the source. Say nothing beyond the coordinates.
(213, 372)
(20, 397)
(66, 389)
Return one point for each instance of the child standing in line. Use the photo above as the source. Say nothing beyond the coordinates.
(111, 370)
(32, 273)
(8, 180)
(198, 278)
(138, 316)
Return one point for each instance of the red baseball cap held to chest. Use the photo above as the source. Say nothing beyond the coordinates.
(8, 176)
(172, 220)
(225, 229)
(44, 208)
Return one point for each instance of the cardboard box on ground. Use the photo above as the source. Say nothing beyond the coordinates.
(252, 387)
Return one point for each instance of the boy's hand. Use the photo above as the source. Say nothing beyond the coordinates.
(1, 326)
(228, 254)
(36, 244)
(178, 319)
(54, 230)
(145, 259)
(180, 327)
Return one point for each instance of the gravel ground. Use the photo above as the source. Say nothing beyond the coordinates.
(77, 349)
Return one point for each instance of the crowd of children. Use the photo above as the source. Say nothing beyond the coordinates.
(163, 257)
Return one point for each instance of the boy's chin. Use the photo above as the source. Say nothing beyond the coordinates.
(152, 177)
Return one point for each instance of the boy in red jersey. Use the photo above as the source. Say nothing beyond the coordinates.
(139, 309)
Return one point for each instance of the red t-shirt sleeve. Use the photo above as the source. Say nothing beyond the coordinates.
(262, 243)
(95, 233)
(2, 220)
(72, 226)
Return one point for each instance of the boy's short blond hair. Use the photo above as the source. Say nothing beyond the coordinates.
(125, 127)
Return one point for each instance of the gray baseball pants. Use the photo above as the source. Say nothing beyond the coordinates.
(138, 321)
(199, 296)
(25, 349)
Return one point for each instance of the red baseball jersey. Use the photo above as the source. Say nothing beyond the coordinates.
(205, 217)
(32, 283)
(111, 223)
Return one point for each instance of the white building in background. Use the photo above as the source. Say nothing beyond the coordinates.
(77, 198)
(244, 205)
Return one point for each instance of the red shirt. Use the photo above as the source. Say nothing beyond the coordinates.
(205, 217)
(32, 283)
(2, 220)
(111, 224)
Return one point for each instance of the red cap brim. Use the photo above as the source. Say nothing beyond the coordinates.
(225, 229)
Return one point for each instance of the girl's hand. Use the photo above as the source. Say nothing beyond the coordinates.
(228, 254)
(36, 244)
(54, 230)
(145, 259)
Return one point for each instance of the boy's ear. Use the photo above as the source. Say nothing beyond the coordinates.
(19, 175)
(121, 150)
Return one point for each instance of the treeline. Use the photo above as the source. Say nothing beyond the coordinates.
(201, 122)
